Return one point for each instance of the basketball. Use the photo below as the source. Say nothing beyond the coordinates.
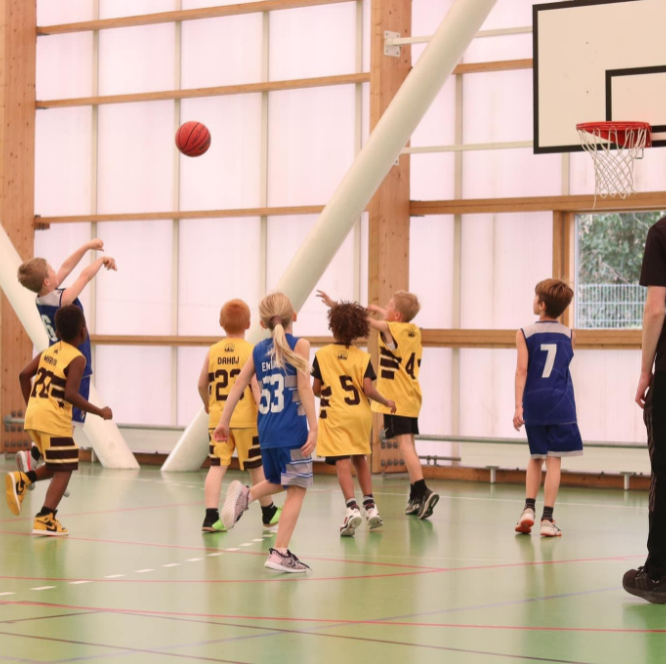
(193, 139)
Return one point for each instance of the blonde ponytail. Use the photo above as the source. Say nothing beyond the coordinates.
(276, 311)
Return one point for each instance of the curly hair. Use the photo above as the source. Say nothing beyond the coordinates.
(69, 321)
(348, 322)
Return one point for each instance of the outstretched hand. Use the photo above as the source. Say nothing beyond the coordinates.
(328, 301)
(96, 244)
(109, 263)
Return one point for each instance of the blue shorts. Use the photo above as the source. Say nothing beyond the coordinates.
(79, 417)
(554, 440)
(287, 467)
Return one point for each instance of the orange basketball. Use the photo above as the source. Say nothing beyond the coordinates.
(193, 139)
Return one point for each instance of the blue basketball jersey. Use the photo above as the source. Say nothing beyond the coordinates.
(549, 393)
(48, 306)
(281, 419)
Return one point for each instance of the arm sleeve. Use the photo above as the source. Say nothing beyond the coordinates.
(653, 271)
(316, 370)
(370, 371)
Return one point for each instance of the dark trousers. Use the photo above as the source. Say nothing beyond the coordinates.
(655, 422)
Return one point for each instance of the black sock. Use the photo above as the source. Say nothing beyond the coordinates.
(351, 503)
(267, 513)
(547, 513)
(368, 501)
(420, 488)
(34, 452)
(530, 504)
(412, 492)
(46, 511)
(213, 514)
(32, 476)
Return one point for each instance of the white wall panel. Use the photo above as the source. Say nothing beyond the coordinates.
(198, 4)
(115, 8)
(219, 260)
(435, 379)
(190, 362)
(367, 32)
(512, 14)
(365, 248)
(438, 125)
(51, 12)
(65, 66)
(431, 176)
(427, 16)
(506, 47)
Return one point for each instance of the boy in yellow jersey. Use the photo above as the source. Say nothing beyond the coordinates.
(343, 376)
(48, 418)
(400, 352)
(223, 364)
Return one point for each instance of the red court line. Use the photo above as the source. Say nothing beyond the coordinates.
(97, 513)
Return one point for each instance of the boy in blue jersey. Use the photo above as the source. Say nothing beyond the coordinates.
(286, 409)
(38, 276)
(545, 401)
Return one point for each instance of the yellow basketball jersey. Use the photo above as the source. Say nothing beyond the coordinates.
(345, 419)
(399, 370)
(225, 362)
(48, 411)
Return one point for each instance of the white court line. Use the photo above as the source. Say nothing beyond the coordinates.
(230, 550)
(39, 589)
(143, 570)
(255, 540)
(194, 559)
(245, 544)
(216, 554)
(6, 594)
(79, 582)
(173, 564)
(115, 576)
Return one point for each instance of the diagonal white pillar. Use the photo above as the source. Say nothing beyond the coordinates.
(105, 438)
(372, 164)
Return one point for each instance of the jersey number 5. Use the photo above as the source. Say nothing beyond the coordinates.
(347, 384)
(551, 350)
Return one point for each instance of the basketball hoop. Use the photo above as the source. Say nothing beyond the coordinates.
(614, 146)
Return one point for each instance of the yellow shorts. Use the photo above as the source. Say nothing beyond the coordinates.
(246, 443)
(60, 453)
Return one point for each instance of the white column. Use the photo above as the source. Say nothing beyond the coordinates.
(104, 436)
(361, 182)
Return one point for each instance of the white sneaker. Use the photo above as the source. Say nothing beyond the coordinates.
(373, 517)
(550, 529)
(352, 520)
(235, 504)
(287, 563)
(524, 525)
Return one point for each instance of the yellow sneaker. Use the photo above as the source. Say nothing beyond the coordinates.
(16, 485)
(48, 525)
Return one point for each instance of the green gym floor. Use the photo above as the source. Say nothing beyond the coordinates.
(137, 582)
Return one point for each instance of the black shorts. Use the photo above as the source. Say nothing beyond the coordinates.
(331, 460)
(400, 425)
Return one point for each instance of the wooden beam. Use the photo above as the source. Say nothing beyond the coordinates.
(181, 215)
(179, 340)
(493, 66)
(182, 15)
(583, 203)
(217, 91)
(17, 188)
(388, 265)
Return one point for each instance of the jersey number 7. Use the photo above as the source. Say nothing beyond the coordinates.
(551, 350)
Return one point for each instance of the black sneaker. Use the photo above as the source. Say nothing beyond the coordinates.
(428, 502)
(638, 583)
(413, 506)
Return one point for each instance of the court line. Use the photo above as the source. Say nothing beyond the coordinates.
(47, 617)
(18, 660)
(33, 637)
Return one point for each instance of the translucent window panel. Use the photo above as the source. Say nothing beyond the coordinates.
(605, 384)
(136, 300)
(310, 145)
(190, 362)
(198, 4)
(367, 31)
(221, 52)
(136, 383)
(510, 173)
(65, 66)
(365, 249)
(51, 12)
(60, 242)
(63, 161)
(136, 175)
(438, 125)
(219, 260)
(581, 173)
(229, 174)
(134, 60)
(503, 259)
(431, 256)
(285, 235)
(492, 115)
(505, 47)
(365, 112)
(115, 8)
(432, 176)
(487, 392)
(512, 14)
(428, 15)
(435, 379)
(313, 41)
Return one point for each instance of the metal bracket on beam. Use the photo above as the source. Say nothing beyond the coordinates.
(390, 50)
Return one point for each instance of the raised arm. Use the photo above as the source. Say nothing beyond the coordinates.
(654, 315)
(521, 378)
(71, 262)
(222, 431)
(87, 274)
(72, 395)
(203, 385)
(377, 310)
(26, 375)
(307, 399)
(328, 301)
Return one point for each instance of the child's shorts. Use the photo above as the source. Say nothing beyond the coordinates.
(287, 467)
(79, 417)
(400, 425)
(60, 453)
(245, 441)
(554, 440)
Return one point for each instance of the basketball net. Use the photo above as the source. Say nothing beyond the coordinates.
(614, 147)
